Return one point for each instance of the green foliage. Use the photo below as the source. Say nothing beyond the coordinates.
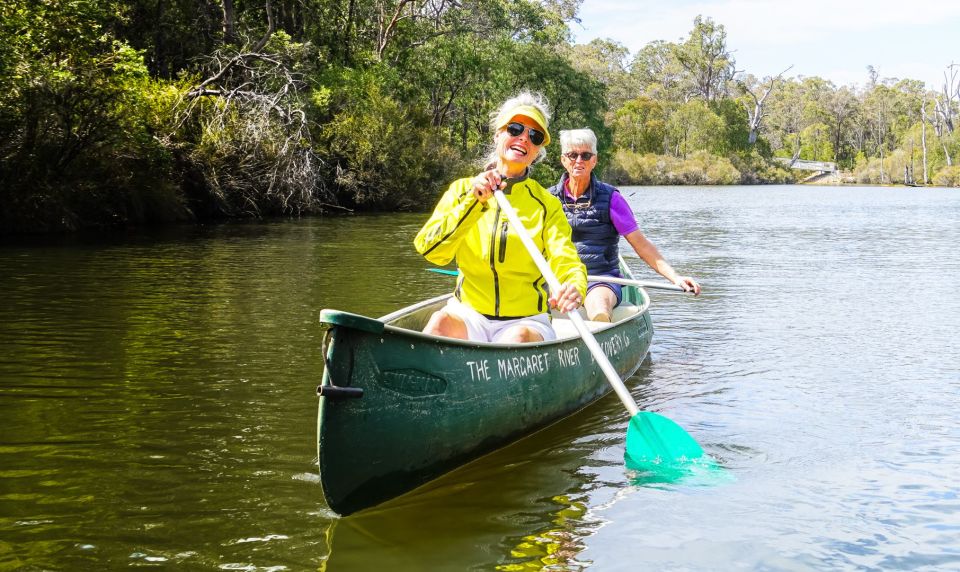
(815, 143)
(695, 127)
(383, 155)
(127, 112)
(736, 131)
(891, 169)
(757, 169)
(79, 149)
(640, 126)
(705, 57)
(947, 177)
(701, 168)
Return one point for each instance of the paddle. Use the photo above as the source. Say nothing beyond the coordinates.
(610, 279)
(638, 283)
(652, 439)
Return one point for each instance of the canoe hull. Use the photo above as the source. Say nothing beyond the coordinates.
(430, 404)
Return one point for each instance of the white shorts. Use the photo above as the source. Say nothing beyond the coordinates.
(482, 329)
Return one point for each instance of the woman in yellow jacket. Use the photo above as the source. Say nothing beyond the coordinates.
(501, 295)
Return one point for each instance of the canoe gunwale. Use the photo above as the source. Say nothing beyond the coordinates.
(389, 328)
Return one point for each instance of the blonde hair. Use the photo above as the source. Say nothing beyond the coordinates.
(523, 98)
(580, 138)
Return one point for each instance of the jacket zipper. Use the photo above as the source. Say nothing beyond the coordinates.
(503, 243)
(493, 263)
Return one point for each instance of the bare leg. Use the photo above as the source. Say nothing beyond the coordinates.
(599, 304)
(520, 334)
(444, 324)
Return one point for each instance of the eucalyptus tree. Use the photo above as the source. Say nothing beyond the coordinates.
(709, 64)
(694, 127)
(946, 109)
(605, 61)
(946, 102)
(784, 112)
(657, 72)
(816, 143)
(754, 106)
(640, 126)
(878, 104)
(840, 106)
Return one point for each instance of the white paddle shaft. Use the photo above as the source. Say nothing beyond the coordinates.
(640, 283)
(612, 377)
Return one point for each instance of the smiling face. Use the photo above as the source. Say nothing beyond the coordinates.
(517, 152)
(578, 168)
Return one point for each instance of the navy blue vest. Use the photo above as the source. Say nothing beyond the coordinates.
(596, 238)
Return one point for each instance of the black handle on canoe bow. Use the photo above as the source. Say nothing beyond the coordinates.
(336, 392)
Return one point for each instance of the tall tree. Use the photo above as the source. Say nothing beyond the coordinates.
(707, 60)
(754, 107)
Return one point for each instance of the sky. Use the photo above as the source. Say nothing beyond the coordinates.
(832, 39)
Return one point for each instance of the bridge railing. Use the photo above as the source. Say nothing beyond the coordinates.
(804, 165)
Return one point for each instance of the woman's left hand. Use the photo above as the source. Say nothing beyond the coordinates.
(688, 284)
(567, 298)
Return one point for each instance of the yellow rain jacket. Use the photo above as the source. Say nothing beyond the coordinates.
(497, 276)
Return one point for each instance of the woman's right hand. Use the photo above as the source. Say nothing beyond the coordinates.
(485, 183)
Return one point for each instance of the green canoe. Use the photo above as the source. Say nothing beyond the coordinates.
(399, 407)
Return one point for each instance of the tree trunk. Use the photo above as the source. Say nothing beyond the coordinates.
(923, 138)
(348, 30)
(229, 22)
(159, 60)
(755, 116)
(881, 166)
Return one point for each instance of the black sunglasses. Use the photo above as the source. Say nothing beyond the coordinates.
(573, 155)
(536, 136)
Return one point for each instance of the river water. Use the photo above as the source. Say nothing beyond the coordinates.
(157, 402)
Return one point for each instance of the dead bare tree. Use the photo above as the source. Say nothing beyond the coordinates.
(923, 137)
(255, 148)
(950, 91)
(755, 115)
(944, 107)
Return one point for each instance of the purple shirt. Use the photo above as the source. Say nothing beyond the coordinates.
(621, 215)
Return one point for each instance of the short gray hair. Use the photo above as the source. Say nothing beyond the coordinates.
(580, 138)
(522, 98)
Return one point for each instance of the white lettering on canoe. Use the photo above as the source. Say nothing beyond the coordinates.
(479, 370)
(570, 357)
(522, 366)
(616, 344)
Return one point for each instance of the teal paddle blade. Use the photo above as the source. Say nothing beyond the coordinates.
(702, 472)
(655, 441)
(444, 271)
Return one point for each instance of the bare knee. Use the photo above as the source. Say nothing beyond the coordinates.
(442, 323)
(599, 304)
(520, 335)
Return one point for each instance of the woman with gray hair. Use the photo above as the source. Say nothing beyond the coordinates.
(501, 296)
(599, 216)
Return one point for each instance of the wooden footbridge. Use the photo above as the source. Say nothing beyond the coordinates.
(822, 171)
(804, 165)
